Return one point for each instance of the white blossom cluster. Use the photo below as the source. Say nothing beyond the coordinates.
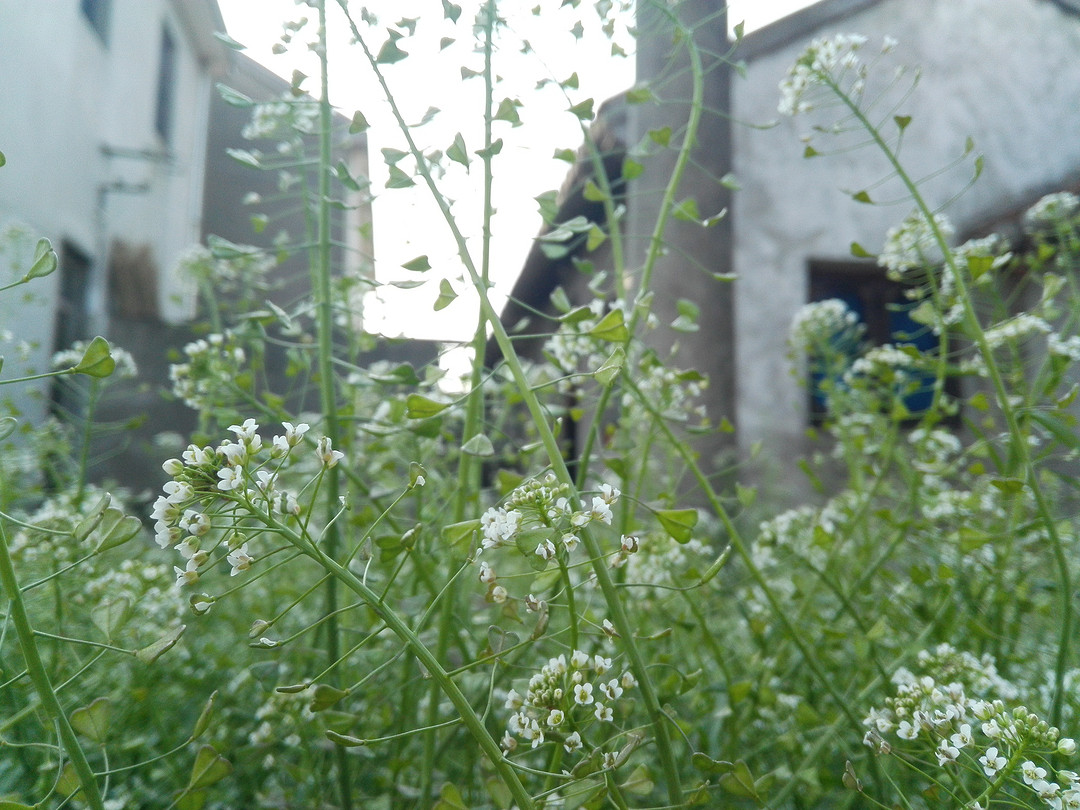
(913, 244)
(957, 708)
(212, 364)
(1017, 328)
(214, 488)
(542, 508)
(819, 325)
(831, 59)
(563, 699)
(282, 120)
(573, 350)
(1051, 210)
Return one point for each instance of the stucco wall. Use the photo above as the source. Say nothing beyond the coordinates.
(66, 94)
(1007, 74)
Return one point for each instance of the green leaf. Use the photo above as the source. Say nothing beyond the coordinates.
(978, 266)
(203, 722)
(639, 95)
(583, 110)
(450, 799)
(153, 652)
(420, 407)
(44, 260)
(507, 111)
(7, 805)
(234, 98)
(245, 157)
(859, 252)
(446, 295)
(418, 265)
(358, 124)
(687, 210)
(571, 82)
(593, 192)
(92, 721)
(631, 168)
(209, 768)
(740, 783)
(7, 423)
(457, 152)
(567, 155)
(810, 152)
(730, 182)
(116, 529)
(660, 136)
(390, 53)
(707, 764)
(326, 696)
(1010, 486)
(345, 740)
(399, 179)
(491, 151)
(93, 518)
(451, 11)
(3, 159)
(457, 533)
(607, 373)
(745, 495)
(902, 121)
(500, 639)
(679, 523)
(560, 300)
(404, 374)
(612, 327)
(97, 359)
(479, 445)
(595, 238)
(863, 197)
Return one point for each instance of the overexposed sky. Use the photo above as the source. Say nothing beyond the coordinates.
(407, 224)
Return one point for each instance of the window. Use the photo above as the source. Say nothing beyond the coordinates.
(885, 315)
(163, 117)
(72, 322)
(97, 13)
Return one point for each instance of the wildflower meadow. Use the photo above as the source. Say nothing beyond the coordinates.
(388, 586)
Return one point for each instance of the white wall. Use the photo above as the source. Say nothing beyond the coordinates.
(1005, 73)
(65, 95)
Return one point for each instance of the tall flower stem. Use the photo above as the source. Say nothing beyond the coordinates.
(39, 677)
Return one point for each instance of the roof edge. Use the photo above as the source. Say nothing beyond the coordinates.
(798, 26)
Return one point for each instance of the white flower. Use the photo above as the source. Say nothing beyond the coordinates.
(231, 478)
(609, 494)
(992, 762)
(603, 713)
(513, 700)
(240, 560)
(294, 434)
(172, 466)
(572, 742)
(327, 454)
(545, 550)
(1066, 746)
(499, 594)
(600, 511)
(609, 761)
(1031, 772)
(570, 541)
(245, 432)
(962, 738)
(487, 573)
(579, 659)
(612, 690)
(583, 694)
(555, 718)
(194, 522)
(178, 491)
(946, 754)
(188, 575)
(628, 680)
(601, 664)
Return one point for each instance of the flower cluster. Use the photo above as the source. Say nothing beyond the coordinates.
(540, 521)
(828, 59)
(563, 699)
(213, 490)
(825, 324)
(949, 710)
(212, 364)
(913, 244)
(1050, 210)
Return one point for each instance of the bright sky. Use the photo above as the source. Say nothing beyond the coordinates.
(406, 223)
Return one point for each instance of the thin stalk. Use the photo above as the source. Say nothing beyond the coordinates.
(40, 678)
(320, 272)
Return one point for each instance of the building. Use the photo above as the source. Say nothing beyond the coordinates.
(104, 132)
(789, 228)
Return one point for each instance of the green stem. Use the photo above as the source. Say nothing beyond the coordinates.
(40, 678)
(327, 393)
